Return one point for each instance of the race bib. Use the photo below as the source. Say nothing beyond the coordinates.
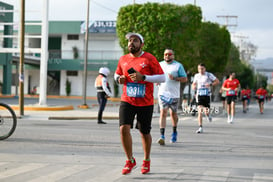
(244, 96)
(135, 89)
(203, 92)
(261, 97)
(231, 92)
(167, 100)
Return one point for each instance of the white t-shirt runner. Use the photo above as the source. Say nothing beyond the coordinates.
(201, 81)
(171, 88)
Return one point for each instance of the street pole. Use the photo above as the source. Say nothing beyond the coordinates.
(22, 55)
(189, 88)
(44, 55)
(84, 105)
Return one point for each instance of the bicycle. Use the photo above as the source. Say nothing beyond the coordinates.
(8, 121)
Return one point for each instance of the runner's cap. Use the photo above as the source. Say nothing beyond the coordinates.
(128, 35)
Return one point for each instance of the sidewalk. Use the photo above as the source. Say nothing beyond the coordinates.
(61, 107)
(70, 110)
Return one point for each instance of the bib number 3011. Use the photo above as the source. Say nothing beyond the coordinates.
(135, 89)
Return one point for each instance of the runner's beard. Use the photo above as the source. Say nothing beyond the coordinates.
(169, 60)
(133, 49)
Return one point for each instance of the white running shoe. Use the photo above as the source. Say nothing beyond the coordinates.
(230, 119)
(209, 118)
(200, 130)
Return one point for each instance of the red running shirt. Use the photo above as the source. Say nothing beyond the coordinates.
(244, 92)
(262, 92)
(146, 64)
(248, 93)
(233, 84)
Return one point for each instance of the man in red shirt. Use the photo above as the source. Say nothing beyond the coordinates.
(231, 86)
(244, 96)
(248, 90)
(261, 94)
(137, 71)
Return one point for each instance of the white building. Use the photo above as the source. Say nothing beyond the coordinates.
(66, 47)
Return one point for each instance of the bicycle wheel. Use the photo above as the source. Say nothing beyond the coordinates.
(8, 121)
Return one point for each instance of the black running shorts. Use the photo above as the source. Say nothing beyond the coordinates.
(203, 101)
(127, 113)
(231, 99)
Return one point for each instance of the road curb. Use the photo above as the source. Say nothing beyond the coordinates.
(80, 117)
(44, 108)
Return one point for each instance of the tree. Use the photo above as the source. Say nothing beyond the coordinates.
(243, 71)
(214, 46)
(162, 26)
(245, 75)
(260, 81)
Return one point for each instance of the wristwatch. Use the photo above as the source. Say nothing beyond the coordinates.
(143, 77)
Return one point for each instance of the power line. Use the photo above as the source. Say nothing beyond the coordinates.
(104, 7)
(227, 18)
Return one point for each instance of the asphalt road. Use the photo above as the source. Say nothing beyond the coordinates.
(81, 150)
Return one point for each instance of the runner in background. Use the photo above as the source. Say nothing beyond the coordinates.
(169, 93)
(248, 97)
(244, 98)
(202, 83)
(261, 94)
(232, 86)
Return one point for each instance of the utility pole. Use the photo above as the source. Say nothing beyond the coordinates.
(22, 56)
(241, 38)
(84, 105)
(227, 18)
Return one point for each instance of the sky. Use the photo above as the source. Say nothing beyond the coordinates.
(254, 17)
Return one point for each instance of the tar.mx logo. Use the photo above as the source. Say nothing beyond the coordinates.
(193, 110)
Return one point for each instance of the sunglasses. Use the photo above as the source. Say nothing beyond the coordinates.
(168, 54)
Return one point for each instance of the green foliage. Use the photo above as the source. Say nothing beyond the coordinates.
(214, 46)
(243, 72)
(162, 26)
(270, 89)
(260, 81)
(245, 75)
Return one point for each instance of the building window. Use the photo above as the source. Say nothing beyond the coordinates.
(71, 73)
(72, 37)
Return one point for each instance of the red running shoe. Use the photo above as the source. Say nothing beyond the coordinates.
(128, 166)
(145, 167)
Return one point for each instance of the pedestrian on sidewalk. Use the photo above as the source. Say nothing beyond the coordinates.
(261, 94)
(137, 71)
(202, 83)
(169, 93)
(103, 91)
(232, 86)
